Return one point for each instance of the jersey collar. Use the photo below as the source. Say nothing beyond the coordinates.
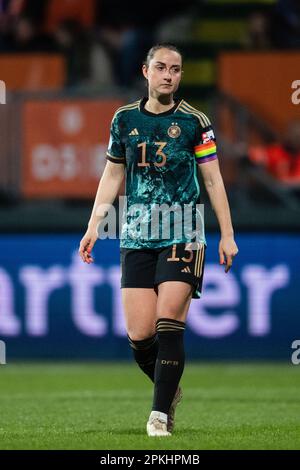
(165, 113)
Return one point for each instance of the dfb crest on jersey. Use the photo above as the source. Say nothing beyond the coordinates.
(174, 131)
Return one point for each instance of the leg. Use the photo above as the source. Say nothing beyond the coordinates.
(174, 299)
(140, 316)
(140, 312)
(178, 276)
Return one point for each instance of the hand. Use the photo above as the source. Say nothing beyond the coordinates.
(86, 245)
(227, 250)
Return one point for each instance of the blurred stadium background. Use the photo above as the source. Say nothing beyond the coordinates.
(67, 65)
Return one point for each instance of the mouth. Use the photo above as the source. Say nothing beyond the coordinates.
(166, 84)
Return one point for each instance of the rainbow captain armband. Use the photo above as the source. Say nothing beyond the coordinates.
(206, 152)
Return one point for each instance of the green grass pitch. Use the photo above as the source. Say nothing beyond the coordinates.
(106, 406)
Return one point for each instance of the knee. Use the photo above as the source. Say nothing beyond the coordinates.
(136, 335)
(172, 314)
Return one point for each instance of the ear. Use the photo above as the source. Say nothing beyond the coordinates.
(145, 71)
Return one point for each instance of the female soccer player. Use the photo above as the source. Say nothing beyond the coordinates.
(160, 143)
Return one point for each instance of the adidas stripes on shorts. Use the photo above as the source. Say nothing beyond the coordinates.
(147, 267)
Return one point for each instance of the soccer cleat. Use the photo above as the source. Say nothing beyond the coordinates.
(171, 415)
(157, 427)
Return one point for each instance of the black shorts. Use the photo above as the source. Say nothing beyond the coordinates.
(146, 267)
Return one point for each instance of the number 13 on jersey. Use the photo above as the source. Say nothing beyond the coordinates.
(160, 153)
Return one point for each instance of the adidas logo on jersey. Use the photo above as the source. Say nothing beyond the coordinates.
(186, 270)
(134, 132)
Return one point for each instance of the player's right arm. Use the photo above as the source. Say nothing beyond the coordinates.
(108, 189)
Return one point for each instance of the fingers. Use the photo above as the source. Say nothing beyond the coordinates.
(226, 257)
(229, 260)
(228, 263)
(85, 250)
(88, 258)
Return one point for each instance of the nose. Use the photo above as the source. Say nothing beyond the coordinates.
(167, 75)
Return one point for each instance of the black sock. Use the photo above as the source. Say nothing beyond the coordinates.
(145, 353)
(169, 364)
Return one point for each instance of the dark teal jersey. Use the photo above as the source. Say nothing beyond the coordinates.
(160, 153)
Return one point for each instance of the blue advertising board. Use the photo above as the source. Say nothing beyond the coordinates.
(52, 305)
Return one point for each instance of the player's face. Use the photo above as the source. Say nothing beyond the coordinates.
(164, 72)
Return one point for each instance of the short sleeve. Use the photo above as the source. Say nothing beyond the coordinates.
(116, 150)
(205, 149)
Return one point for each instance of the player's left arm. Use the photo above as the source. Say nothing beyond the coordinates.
(216, 191)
